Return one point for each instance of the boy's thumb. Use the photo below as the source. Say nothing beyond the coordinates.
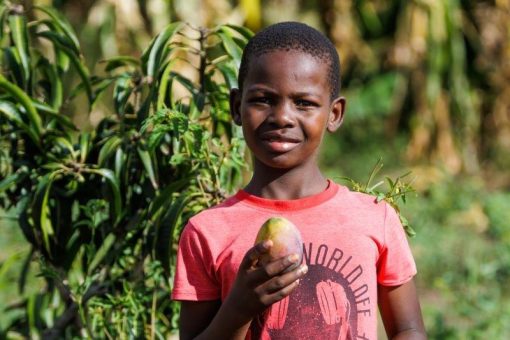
(254, 253)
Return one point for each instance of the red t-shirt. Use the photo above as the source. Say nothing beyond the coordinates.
(351, 244)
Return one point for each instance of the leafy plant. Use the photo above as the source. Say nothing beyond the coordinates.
(397, 190)
(103, 209)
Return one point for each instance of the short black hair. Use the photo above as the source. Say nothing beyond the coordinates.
(293, 36)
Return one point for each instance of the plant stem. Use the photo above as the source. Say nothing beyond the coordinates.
(153, 315)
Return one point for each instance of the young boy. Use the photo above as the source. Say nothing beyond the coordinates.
(356, 254)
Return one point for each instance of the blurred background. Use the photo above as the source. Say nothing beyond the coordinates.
(427, 84)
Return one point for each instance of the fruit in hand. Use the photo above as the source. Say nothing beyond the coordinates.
(286, 240)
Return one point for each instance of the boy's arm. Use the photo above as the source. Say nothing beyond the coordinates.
(207, 320)
(204, 320)
(400, 312)
(254, 290)
(195, 316)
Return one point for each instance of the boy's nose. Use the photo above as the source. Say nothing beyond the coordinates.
(281, 115)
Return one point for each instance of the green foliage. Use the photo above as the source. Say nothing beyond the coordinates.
(462, 259)
(398, 189)
(103, 209)
(399, 59)
(497, 208)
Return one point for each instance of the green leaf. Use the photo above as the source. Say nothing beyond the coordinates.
(216, 53)
(24, 100)
(31, 315)
(120, 61)
(100, 85)
(10, 180)
(53, 166)
(46, 224)
(59, 40)
(377, 167)
(121, 93)
(163, 85)
(108, 149)
(390, 182)
(84, 146)
(3, 19)
(53, 115)
(187, 83)
(233, 50)
(229, 74)
(245, 32)
(405, 223)
(61, 22)
(165, 196)
(66, 46)
(120, 159)
(10, 111)
(154, 53)
(13, 65)
(164, 238)
(51, 75)
(72, 249)
(41, 210)
(43, 107)
(22, 279)
(147, 164)
(64, 144)
(24, 220)
(62, 60)
(108, 242)
(7, 263)
(110, 177)
(18, 26)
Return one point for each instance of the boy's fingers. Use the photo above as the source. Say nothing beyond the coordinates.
(280, 282)
(253, 254)
(266, 272)
(281, 293)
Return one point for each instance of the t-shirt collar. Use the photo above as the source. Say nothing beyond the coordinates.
(297, 204)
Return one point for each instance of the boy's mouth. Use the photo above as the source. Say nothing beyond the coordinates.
(279, 143)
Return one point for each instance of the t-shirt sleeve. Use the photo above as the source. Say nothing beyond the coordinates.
(194, 274)
(396, 264)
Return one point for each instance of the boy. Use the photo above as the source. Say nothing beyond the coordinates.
(355, 251)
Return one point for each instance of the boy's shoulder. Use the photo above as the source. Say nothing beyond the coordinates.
(344, 198)
(234, 216)
(361, 200)
(215, 213)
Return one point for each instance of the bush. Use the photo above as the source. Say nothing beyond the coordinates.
(103, 209)
(462, 259)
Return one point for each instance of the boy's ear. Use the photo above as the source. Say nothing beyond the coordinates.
(336, 114)
(235, 106)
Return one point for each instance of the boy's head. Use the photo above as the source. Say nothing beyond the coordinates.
(293, 36)
(288, 96)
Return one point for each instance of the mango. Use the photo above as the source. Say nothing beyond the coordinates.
(286, 240)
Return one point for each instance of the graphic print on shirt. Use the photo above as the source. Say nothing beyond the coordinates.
(326, 305)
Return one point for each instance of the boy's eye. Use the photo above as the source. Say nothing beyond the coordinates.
(304, 103)
(260, 100)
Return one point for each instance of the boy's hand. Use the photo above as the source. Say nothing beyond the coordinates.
(258, 287)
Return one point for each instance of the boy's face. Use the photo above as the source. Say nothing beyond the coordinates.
(285, 108)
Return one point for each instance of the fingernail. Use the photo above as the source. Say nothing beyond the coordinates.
(304, 269)
(292, 258)
(297, 282)
(265, 244)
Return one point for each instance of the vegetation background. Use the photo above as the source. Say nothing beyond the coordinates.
(427, 84)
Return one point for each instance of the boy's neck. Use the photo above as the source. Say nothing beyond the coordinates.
(286, 184)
